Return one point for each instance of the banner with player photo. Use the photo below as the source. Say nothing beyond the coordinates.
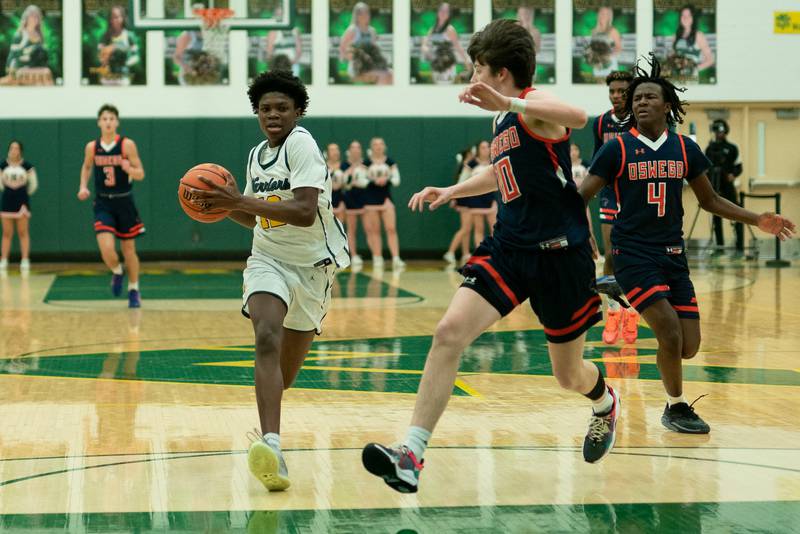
(440, 34)
(539, 18)
(281, 49)
(31, 42)
(113, 53)
(360, 45)
(685, 39)
(196, 57)
(603, 38)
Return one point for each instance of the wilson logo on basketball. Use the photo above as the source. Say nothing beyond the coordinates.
(187, 195)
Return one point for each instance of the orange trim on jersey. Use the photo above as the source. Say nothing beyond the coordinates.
(553, 157)
(694, 300)
(580, 312)
(648, 293)
(634, 132)
(527, 129)
(526, 91)
(574, 326)
(600, 126)
(481, 260)
(687, 308)
(624, 156)
(685, 160)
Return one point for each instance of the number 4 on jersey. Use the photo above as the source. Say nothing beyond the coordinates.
(658, 198)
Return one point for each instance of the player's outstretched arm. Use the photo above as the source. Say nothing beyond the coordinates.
(86, 171)
(536, 106)
(710, 201)
(132, 163)
(481, 183)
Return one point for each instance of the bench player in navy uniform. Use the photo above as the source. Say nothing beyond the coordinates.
(539, 250)
(113, 161)
(646, 167)
(605, 128)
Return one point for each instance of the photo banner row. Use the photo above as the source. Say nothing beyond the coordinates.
(360, 42)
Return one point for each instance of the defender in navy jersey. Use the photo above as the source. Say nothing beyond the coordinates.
(113, 161)
(539, 251)
(607, 127)
(647, 167)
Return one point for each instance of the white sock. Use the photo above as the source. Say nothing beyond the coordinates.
(417, 440)
(675, 400)
(613, 305)
(603, 404)
(273, 440)
(133, 286)
(117, 269)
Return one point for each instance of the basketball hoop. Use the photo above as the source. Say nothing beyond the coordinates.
(215, 34)
(212, 16)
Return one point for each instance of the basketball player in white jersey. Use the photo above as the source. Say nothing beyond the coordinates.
(297, 247)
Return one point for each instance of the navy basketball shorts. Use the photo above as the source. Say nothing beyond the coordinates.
(118, 216)
(559, 283)
(608, 205)
(647, 276)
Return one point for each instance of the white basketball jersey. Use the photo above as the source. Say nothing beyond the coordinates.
(272, 174)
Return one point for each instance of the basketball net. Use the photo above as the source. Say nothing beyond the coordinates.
(214, 31)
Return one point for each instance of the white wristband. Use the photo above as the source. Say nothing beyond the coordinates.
(517, 105)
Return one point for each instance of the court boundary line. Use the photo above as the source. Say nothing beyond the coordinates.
(9, 482)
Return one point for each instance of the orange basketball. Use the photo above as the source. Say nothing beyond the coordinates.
(210, 171)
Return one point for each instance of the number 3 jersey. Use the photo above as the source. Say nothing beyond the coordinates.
(540, 206)
(273, 173)
(647, 177)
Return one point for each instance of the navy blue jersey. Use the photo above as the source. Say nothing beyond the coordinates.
(539, 200)
(109, 178)
(647, 177)
(607, 127)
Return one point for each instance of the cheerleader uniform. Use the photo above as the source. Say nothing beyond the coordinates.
(17, 183)
(477, 204)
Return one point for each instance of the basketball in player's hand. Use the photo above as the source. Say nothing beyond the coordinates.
(194, 207)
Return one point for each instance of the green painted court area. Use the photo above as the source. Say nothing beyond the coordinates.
(391, 365)
(724, 517)
(203, 284)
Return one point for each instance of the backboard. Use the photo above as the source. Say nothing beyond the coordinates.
(180, 14)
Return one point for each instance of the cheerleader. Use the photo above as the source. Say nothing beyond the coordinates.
(355, 176)
(17, 182)
(382, 174)
(461, 237)
(333, 157)
(481, 209)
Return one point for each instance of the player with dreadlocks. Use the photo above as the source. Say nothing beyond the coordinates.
(647, 166)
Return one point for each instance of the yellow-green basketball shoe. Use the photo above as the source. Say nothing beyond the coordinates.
(268, 466)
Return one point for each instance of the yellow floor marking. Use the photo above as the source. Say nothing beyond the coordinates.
(466, 389)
